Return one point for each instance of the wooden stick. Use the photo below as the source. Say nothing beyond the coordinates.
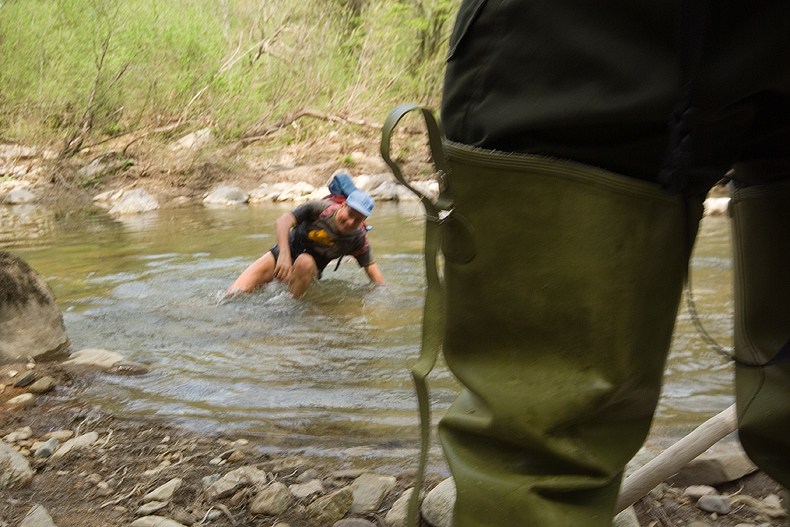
(671, 460)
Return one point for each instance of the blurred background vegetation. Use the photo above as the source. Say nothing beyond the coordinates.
(75, 71)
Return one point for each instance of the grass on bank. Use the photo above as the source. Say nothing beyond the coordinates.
(75, 71)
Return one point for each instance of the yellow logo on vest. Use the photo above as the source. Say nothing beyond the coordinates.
(321, 236)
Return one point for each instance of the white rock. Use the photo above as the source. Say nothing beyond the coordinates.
(19, 196)
(25, 400)
(387, 191)
(151, 507)
(697, 491)
(227, 196)
(714, 469)
(369, 492)
(164, 492)
(367, 183)
(15, 470)
(306, 489)
(155, 521)
(273, 500)
(37, 517)
(77, 442)
(194, 141)
(20, 434)
(96, 357)
(437, 507)
(398, 514)
(296, 191)
(134, 202)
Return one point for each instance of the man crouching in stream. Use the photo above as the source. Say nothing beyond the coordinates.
(308, 238)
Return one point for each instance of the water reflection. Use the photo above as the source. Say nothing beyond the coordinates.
(329, 372)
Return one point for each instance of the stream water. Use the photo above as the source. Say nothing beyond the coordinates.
(327, 375)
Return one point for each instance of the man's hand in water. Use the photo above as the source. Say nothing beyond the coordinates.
(283, 269)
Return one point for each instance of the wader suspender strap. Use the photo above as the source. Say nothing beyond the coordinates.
(433, 323)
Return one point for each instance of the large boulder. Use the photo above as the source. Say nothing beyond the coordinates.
(31, 324)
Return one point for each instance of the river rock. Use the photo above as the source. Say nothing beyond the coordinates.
(60, 435)
(437, 507)
(354, 522)
(151, 507)
(75, 443)
(697, 491)
(155, 521)
(296, 192)
(284, 465)
(25, 379)
(25, 400)
(227, 196)
(308, 475)
(332, 507)
(367, 183)
(305, 490)
(714, 469)
(19, 196)
(234, 480)
(388, 191)
(195, 140)
(31, 324)
(369, 492)
(46, 449)
(134, 201)
(42, 385)
(38, 516)
(20, 434)
(15, 470)
(108, 198)
(273, 500)
(267, 192)
(398, 514)
(93, 357)
(715, 503)
(164, 492)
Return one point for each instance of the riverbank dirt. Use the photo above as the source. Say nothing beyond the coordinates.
(103, 485)
(187, 165)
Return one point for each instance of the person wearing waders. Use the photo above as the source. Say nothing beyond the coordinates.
(581, 140)
(311, 236)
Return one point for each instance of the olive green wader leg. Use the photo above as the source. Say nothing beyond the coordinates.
(761, 240)
(558, 329)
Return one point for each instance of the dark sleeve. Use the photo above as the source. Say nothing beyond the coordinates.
(309, 210)
(364, 254)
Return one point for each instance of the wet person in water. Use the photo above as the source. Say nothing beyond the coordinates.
(308, 238)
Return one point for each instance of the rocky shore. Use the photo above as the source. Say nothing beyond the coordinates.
(63, 463)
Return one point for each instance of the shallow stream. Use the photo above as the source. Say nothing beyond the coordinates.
(326, 375)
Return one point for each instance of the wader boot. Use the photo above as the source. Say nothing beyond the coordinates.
(558, 328)
(761, 240)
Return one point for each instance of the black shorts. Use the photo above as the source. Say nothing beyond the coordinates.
(296, 250)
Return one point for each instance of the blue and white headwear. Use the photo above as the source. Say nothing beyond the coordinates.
(360, 202)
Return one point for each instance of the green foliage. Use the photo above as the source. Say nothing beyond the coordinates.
(103, 67)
